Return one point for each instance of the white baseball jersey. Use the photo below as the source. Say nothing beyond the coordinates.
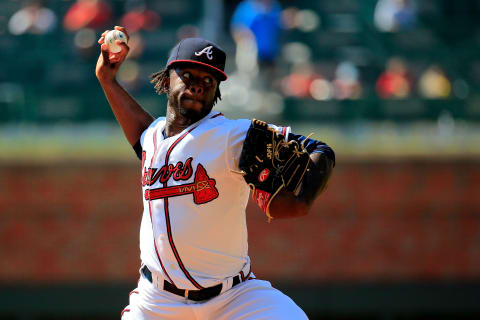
(193, 231)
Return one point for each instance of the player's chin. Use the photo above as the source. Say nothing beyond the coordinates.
(191, 113)
(194, 109)
(191, 104)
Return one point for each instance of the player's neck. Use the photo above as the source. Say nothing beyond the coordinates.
(174, 125)
(176, 122)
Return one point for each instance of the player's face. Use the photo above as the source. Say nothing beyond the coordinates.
(192, 91)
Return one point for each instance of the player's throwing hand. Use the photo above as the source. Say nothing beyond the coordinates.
(108, 62)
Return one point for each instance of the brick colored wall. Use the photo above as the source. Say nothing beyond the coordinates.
(382, 220)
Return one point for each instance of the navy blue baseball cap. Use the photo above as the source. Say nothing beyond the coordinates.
(202, 52)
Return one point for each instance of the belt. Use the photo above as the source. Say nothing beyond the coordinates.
(195, 295)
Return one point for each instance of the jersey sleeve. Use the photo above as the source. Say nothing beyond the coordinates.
(235, 140)
(138, 147)
(285, 131)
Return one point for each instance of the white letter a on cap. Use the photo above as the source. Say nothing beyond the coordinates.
(208, 51)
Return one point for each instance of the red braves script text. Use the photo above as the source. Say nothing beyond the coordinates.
(180, 171)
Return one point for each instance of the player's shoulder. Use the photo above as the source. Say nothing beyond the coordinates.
(237, 123)
(240, 126)
(160, 121)
(222, 123)
(156, 123)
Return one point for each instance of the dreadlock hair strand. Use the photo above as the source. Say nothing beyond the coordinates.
(159, 79)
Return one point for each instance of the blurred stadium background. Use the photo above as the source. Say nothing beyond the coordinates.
(393, 86)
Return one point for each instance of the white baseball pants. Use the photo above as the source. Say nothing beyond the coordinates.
(252, 299)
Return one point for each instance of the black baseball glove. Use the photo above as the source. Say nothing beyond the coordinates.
(269, 163)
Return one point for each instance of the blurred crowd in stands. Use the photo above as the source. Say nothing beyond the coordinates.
(257, 25)
(262, 56)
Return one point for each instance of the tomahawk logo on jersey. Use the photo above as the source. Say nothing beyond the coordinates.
(202, 188)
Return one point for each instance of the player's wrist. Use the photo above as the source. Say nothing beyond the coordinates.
(107, 81)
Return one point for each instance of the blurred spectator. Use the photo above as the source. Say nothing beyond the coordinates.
(33, 18)
(321, 89)
(346, 84)
(95, 14)
(434, 84)
(395, 15)
(139, 17)
(298, 83)
(395, 81)
(290, 18)
(259, 21)
(305, 20)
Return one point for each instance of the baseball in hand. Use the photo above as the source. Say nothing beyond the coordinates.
(110, 38)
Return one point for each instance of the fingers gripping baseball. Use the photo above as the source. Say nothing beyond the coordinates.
(108, 61)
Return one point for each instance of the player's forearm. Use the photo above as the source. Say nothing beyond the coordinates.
(130, 115)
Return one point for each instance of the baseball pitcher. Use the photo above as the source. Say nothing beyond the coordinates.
(198, 169)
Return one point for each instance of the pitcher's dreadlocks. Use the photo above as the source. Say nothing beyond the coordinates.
(159, 79)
